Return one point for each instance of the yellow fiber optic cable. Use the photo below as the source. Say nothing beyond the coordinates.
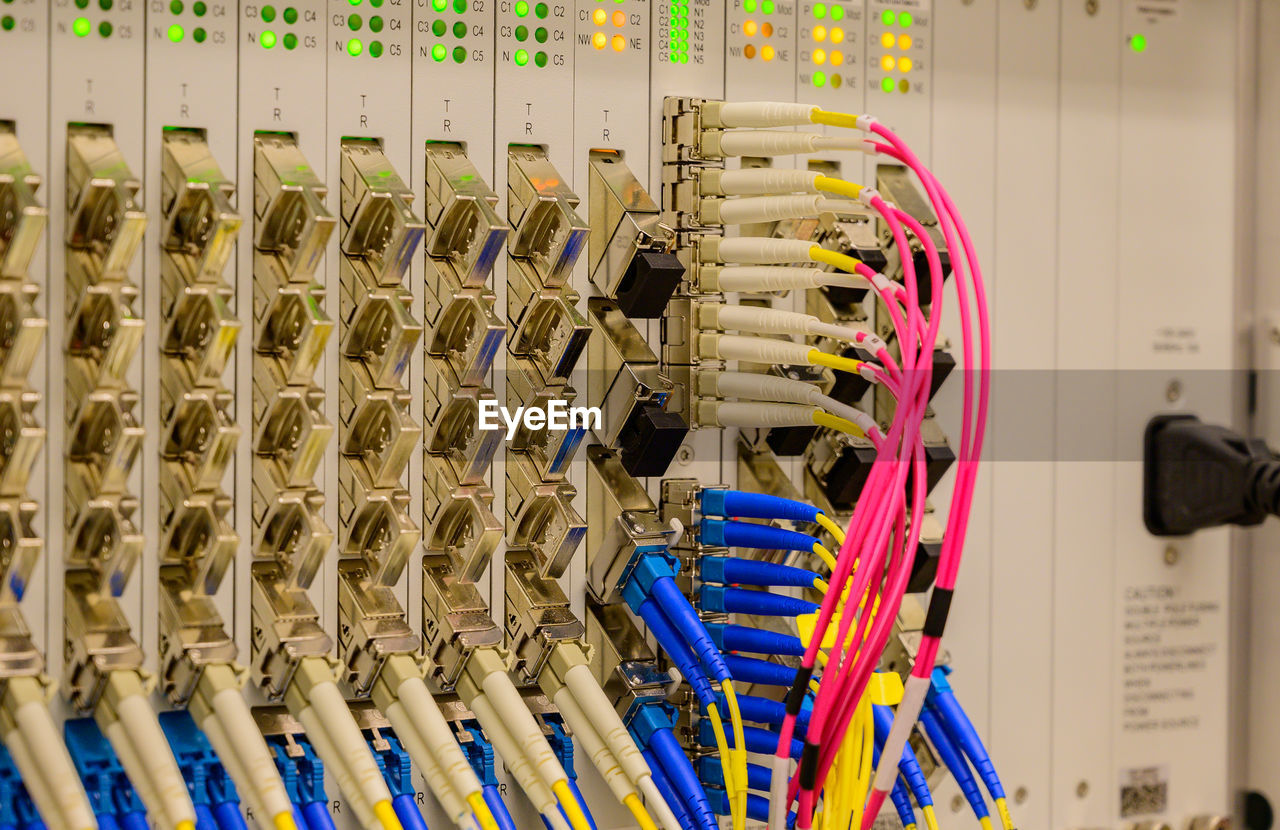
(722, 745)
(1006, 819)
(985, 821)
(829, 525)
(740, 745)
(838, 186)
(572, 809)
(930, 817)
(636, 806)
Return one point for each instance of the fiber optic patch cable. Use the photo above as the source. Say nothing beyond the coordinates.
(880, 515)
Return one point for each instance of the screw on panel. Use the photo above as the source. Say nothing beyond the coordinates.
(1020, 794)
(1091, 7)
(1082, 789)
(1173, 391)
(1030, 4)
(1170, 555)
(685, 454)
(957, 803)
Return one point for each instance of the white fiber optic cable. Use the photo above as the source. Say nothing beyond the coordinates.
(134, 771)
(521, 768)
(503, 696)
(754, 349)
(430, 724)
(751, 209)
(757, 386)
(755, 250)
(228, 714)
(49, 761)
(334, 761)
(458, 811)
(756, 181)
(35, 780)
(757, 114)
(765, 320)
(752, 414)
(602, 758)
(138, 734)
(332, 710)
(771, 143)
(231, 762)
(748, 278)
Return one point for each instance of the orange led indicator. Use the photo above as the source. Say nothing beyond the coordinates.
(837, 35)
(619, 18)
(819, 56)
(904, 41)
(767, 53)
(599, 40)
(886, 40)
(887, 63)
(619, 43)
(905, 63)
(819, 33)
(749, 51)
(599, 16)
(837, 58)
(750, 28)
(766, 29)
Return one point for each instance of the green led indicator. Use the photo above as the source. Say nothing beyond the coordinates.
(201, 8)
(105, 5)
(375, 49)
(819, 10)
(541, 11)
(267, 39)
(889, 17)
(439, 52)
(175, 33)
(176, 7)
(375, 24)
(819, 79)
(459, 29)
(354, 47)
(1138, 43)
(199, 35)
(522, 57)
(290, 15)
(81, 27)
(522, 33)
(268, 13)
(522, 8)
(354, 22)
(104, 28)
(439, 28)
(460, 6)
(290, 41)
(905, 19)
(837, 12)
(749, 6)
(439, 5)
(377, 4)
(6, 23)
(459, 54)
(355, 2)
(82, 4)
(767, 6)
(540, 34)
(887, 84)
(540, 59)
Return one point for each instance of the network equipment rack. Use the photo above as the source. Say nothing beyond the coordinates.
(452, 412)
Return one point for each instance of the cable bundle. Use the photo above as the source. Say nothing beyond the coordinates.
(847, 635)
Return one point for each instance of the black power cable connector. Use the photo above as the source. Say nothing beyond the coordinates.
(1197, 476)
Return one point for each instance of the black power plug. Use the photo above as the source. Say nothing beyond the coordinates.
(1197, 476)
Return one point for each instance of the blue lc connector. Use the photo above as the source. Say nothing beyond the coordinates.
(651, 726)
(480, 756)
(303, 776)
(954, 760)
(724, 533)
(742, 505)
(723, 599)
(210, 787)
(730, 637)
(909, 765)
(397, 770)
(758, 741)
(754, 670)
(961, 730)
(114, 803)
(17, 810)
